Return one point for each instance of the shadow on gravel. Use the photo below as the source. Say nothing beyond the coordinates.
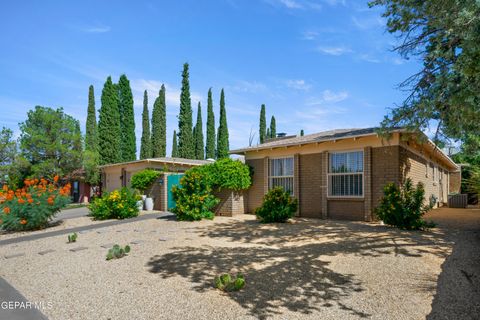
(284, 269)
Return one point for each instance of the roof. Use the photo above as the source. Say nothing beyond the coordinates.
(170, 160)
(310, 138)
(330, 135)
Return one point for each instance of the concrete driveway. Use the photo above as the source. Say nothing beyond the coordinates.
(71, 213)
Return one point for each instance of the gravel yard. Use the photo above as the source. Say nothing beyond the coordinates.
(307, 269)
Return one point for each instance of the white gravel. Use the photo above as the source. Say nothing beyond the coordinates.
(308, 269)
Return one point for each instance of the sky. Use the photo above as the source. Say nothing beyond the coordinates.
(316, 64)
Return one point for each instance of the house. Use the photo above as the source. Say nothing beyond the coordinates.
(118, 175)
(340, 174)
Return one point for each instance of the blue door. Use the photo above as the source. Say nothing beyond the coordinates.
(172, 180)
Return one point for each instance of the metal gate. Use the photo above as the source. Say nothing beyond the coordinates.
(172, 180)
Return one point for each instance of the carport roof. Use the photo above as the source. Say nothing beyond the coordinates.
(169, 160)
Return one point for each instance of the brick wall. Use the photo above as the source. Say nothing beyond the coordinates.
(231, 203)
(345, 209)
(455, 181)
(385, 169)
(255, 193)
(310, 180)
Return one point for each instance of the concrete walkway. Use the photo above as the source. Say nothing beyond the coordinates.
(14, 306)
(71, 213)
(83, 228)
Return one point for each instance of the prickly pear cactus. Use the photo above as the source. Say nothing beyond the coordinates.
(117, 252)
(226, 282)
(72, 237)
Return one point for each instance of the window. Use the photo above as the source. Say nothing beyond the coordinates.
(281, 174)
(345, 174)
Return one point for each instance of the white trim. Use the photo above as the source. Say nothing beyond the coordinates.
(270, 177)
(329, 174)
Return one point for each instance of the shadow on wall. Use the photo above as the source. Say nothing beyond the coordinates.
(284, 269)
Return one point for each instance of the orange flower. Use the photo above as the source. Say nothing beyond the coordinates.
(50, 201)
(23, 221)
(55, 179)
(5, 187)
(21, 201)
(6, 210)
(30, 200)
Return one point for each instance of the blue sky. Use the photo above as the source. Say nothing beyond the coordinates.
(316, 64)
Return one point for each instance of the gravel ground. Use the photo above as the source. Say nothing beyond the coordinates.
(307, 269)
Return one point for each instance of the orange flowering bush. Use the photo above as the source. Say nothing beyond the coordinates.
(32, 206)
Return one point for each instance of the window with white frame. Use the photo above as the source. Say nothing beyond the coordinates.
(281, 173)
(345, 174)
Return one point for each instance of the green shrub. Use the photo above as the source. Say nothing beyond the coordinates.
(194, 198)
(117, 252)
(226, 282)
(142, 180)
(404, 207)
(72, 237)
(278, 206)
(32, 206)
(119, 204)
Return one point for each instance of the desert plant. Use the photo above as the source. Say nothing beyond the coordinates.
(278, 206)
(403, 207)
(72, 237)
(32, 206)
(118, 204)
(142, 180)
(117, 252)
(226, 282)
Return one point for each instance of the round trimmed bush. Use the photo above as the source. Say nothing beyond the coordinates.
(278, 206)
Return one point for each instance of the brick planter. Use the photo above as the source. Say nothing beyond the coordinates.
(231, 203)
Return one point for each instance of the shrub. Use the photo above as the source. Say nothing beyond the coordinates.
(32, 206)
(117, 252)
(404, 207)
(142, 180)
(278, 206)
(226, 282)
(72, 237)
(119, 204)
(194, 199)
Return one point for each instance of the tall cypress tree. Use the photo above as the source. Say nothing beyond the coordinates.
(174, 145)
(273, 128)
(199, 146)
(109, 125)
(186, 145)
(91, 134)
(268, 136)
(210, 145)
(263, 125)
(146, 143)
(301, 133)
(159, 125)
(222, 137)
(127, 120)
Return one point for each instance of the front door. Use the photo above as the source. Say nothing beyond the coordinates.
(172, 180)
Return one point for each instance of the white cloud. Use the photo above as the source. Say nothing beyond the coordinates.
(96, 29)
(310, 35)
(298, 84)
(369, 58)
(331, 96)
(368, 23)
(334, 51)
(248, 86)
(291, 4)
(296, 4)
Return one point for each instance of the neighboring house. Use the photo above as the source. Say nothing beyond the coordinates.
(340, 174)
(118, 175)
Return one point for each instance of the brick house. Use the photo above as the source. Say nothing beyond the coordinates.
(340, 174)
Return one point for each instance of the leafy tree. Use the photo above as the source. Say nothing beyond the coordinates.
(8, 151)
(91, 135)
(127, 120)
(159, 125)
(263, 125)
(186, 145)
(90, 165)
(174, 145)
(199, 147)
(445, 36)
(222, 136)
(51, 141)
(109, 135)
(146, 143)
(273, 128)
(210, 146)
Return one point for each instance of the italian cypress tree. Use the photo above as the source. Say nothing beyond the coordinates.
(91, 135)
(186, 145)
(210, 146)
(222, 136)
(159, 125)
(109, 125)
(273, 128)
(268, 136)
(146, 145)
(199, 146)
(174, 145)
(127, 120)
(301, 133)
(263, 125)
